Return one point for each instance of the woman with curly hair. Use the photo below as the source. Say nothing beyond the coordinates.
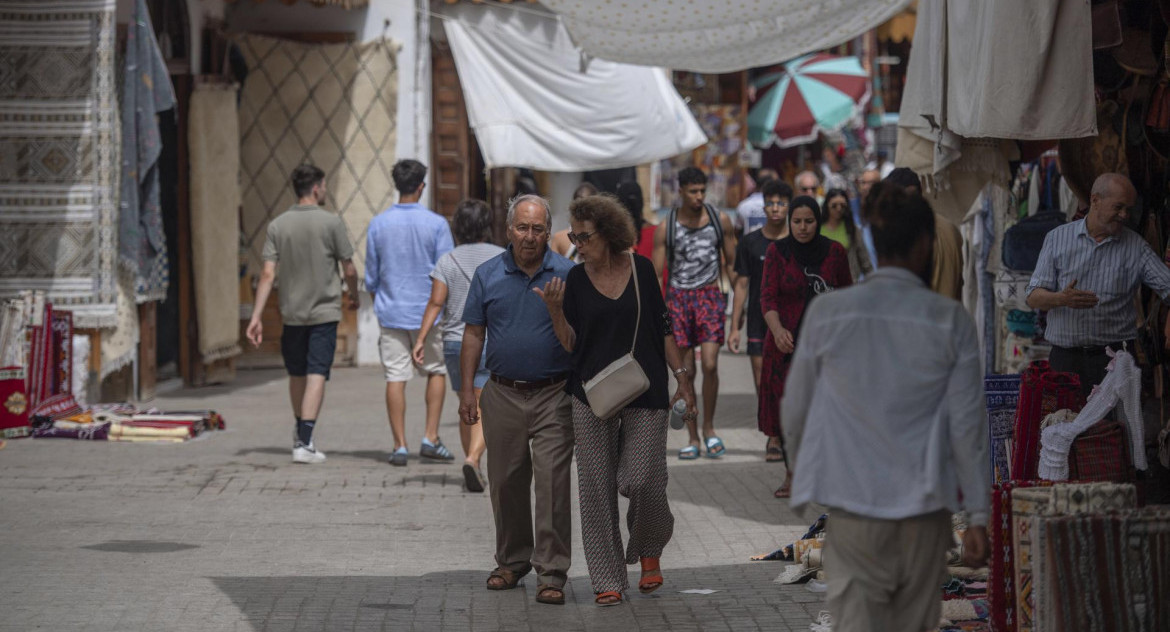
(592, 313)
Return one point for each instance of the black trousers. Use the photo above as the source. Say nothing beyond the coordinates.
(1087, 362)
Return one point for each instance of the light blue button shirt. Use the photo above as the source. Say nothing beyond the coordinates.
(884, 411)
(1112, 269)
(403, 244)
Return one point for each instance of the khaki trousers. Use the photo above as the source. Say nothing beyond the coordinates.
(886, 575)
(529, 437)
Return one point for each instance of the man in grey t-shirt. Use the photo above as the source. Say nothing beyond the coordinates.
(307, 242)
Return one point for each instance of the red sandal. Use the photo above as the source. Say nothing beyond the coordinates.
(608, 598)
(651, 579)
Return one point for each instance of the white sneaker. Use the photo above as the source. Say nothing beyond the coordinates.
(307, 454)
(823, 623)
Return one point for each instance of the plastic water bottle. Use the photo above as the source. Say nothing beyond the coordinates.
(676, 415)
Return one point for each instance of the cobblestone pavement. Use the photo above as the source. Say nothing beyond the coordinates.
(226, 533)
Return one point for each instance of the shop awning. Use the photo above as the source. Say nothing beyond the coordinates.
(533, 101)
(716, 35)
(345, 4)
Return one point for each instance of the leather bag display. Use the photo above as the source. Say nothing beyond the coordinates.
(1022, 242)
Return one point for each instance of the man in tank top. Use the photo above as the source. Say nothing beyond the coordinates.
(697, 244)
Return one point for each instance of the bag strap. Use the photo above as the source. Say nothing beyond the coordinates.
(671, 220)
(459, 266)
(638, 298)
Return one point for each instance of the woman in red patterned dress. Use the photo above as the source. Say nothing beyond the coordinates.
(796, 269)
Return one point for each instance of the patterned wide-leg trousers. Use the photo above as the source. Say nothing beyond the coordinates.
(627, 455)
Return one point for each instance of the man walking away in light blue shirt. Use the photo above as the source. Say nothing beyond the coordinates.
(884, 419)
(403, 244)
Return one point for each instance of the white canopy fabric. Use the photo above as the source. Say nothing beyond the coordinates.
(983, 72)
(531, 104)
(714, 36)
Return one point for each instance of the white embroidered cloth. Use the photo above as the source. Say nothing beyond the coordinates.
(1122, 385)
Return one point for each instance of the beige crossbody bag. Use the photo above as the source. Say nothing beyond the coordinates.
(623, 380)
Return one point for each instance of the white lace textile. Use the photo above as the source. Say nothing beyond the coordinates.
(1122, 385)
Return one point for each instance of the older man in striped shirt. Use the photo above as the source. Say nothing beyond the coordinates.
(1086, 278)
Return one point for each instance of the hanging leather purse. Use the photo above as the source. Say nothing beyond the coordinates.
(623, 380)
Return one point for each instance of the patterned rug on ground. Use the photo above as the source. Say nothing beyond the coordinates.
(58, 154)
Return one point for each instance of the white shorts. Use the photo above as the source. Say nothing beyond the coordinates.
(394, 346)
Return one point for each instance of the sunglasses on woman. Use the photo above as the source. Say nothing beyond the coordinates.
(581, 238)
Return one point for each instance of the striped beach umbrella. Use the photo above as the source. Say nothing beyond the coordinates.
(806, 96)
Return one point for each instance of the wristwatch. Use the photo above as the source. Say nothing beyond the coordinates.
(679, 371)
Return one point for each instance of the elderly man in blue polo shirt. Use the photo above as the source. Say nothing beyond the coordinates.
(527, 414)
(1086, 278)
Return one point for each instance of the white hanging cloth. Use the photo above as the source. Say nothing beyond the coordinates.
(534, 101)
(1122, 385)
(984, 72)
(714, 36)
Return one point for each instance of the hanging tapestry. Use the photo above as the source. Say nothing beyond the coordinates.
(146, 93)
(333, 105)
(58, 154)
(120, 345)
(215, 218)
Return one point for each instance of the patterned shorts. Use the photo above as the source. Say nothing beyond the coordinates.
(697, 315)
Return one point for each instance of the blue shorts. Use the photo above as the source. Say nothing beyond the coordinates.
(308, 349)
(451, 351)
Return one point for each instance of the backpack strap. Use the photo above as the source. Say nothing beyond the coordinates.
(671, 220)
(717, 223)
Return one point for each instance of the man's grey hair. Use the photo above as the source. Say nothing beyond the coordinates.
(530, 197)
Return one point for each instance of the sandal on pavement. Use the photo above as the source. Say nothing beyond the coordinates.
(553, 595)
(689, 453)
(472, 479)
(651, 576)
(608, 598)
(785, 491)
(773, 453)
(507, 579)
(715, 447)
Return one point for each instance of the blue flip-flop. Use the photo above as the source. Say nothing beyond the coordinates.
(715, 447)
(689, 453)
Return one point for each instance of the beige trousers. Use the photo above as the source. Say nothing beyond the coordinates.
(529, 437)
(886, 575)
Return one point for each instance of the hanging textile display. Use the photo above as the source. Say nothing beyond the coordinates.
(215, 218)
(58, 154)
(1121, 390)
(146, 92)
(119, 345)
(633, 115)
(333, 105)
(954, 119)
(1029, 506)
(81, 349)
(714, 36)
(14, 404)
(1042, 392)
(1108, 571)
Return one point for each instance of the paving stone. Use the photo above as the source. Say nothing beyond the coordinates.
(225, 533)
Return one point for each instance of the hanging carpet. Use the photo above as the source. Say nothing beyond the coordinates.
(59, 154)
(215, 218)
(333, 105)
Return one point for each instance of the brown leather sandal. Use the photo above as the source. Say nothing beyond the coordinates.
(608, 598)
(651, 579)
(508, 579)
(553, 595)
